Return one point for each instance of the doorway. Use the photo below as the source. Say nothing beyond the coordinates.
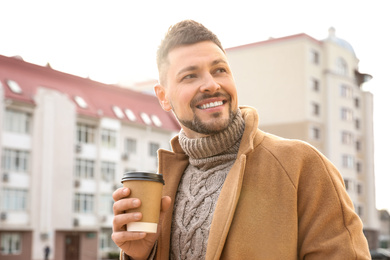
(72, 242)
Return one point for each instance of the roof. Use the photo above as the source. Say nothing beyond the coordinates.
(100, 98)
(274, 40)
(340, 42)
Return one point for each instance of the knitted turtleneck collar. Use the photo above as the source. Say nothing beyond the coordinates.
(220, 143)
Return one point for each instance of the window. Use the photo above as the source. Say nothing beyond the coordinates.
(153, 147)
(17, 121)
(348, 161)
(15, 160)
(108, 171)
(359, 188)
(341, 66)
(359, 210)
(105, 240)
(108, 138)
(130, 145)
(80, 102)
(130, 115)
(84, 169)
(347, 184)
(345, 91)
(156, 121)
(14, 199)
(14, 86)
(357, 102)
(315, 85)
(314, 57)
(118, 112)
(83, 203)
(315, 109)
(358, 144)
(357, 123)
(105, 204)
(315, 133)
(85, 134)
(11, 243)
(346, 114)
(346, 137)
(146, 118)
(359, 167)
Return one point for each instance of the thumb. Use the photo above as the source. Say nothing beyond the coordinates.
(165, 203)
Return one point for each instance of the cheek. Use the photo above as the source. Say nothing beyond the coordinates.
(183, 98)
(231, 90)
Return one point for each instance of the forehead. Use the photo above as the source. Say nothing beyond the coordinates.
(185, 55)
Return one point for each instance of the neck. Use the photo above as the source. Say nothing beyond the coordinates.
(208, 146)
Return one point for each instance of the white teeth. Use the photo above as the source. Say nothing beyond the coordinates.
(212, 104)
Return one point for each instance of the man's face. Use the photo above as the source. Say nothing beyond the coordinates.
(199, 88)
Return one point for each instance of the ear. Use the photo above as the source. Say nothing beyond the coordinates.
(162, 97)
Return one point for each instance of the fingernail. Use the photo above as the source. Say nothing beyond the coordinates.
(136, 202)
(125, 190)
(137, 215)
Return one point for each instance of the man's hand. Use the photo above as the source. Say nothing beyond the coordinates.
(138, 245)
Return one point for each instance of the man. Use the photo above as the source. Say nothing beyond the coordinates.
(232, 191)
(47, 252)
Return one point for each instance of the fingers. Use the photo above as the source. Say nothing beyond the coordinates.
(122, 237)
(119, 222)
(165, 203)
(125, 204)
(121, 193)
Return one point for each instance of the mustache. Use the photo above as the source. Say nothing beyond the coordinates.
(203, 96)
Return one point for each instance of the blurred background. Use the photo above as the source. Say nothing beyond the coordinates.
(77, 107)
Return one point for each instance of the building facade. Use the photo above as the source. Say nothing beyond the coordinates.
(384, 233)
(311, 90)
(65, 143)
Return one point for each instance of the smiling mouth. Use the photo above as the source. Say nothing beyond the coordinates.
(211, 104)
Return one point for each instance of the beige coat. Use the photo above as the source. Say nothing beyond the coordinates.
(282, 199)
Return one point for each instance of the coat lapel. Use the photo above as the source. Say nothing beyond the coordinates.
(172, 166)
(230, 193)
(224, 210)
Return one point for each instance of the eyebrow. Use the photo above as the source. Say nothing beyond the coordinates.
(192, 68)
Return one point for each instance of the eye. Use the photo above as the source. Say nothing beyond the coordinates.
(220, 70)
(189, 76)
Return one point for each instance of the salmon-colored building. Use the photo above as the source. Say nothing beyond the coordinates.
(65, 143)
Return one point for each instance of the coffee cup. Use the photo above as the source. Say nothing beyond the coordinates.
(147, 187)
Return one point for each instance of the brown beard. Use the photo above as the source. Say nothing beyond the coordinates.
(198, 126)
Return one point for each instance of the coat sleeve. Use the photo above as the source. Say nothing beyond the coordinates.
(328, 227)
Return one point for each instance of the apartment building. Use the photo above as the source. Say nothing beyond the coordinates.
(65, 143)
(311, 90)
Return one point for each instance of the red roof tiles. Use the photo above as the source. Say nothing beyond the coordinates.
(99, 97)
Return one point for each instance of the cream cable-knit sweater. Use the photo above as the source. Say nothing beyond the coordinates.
(210, 161)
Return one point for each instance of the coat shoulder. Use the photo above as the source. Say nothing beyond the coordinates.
(297, 158)
(287, 148)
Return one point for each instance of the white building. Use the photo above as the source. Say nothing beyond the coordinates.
(311, 90)
(65, 143)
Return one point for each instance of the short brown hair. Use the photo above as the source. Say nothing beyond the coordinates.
(183, 33)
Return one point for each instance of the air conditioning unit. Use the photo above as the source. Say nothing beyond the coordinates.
(77, 183)
(5, 177)
(3, 216)
(125, 156)
(78, 148)
(76, 222)
(44, 235)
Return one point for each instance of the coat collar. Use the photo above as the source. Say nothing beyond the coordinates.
(172, 166)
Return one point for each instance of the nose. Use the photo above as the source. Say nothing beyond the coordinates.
(209, 84)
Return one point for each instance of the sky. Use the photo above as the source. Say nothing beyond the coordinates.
(116, 41)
